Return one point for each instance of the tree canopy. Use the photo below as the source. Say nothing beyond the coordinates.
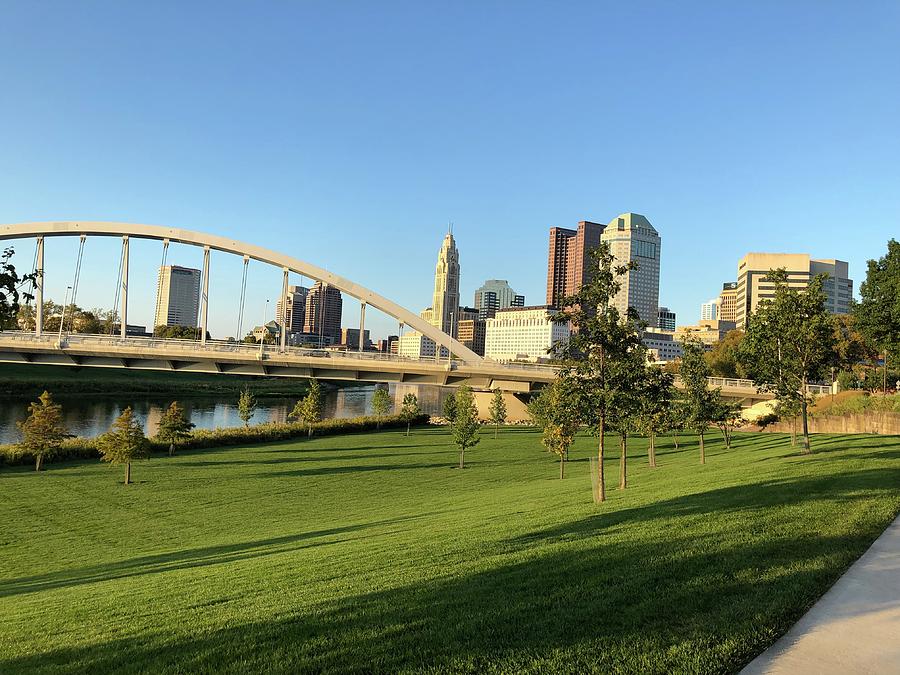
(124, 442)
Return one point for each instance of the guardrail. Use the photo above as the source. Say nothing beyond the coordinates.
(266, 351)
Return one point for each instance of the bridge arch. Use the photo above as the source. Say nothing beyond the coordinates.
(233, 246)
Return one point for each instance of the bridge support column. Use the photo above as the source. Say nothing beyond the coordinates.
(39, 289)
(124, 318)
(204, 296)
(284, 310)
(362, 326)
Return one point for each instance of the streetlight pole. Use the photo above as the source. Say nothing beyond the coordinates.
(62, 319)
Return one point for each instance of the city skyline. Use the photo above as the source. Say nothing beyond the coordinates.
(696, 156)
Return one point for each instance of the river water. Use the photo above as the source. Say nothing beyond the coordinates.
(89, 416)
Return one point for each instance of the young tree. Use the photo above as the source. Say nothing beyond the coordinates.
(790, 342)
(465, 426)
(727, 417)
(877, 315)
(700, 401)
(309, 409)
(624, 415)
(174, 426)
(43, 431)
(409, 410)
(555, 411)
(450, 409)
(654, 404)
(124, 442)
(381, 404)
(497, 410)
(246, 406)
(601, 339)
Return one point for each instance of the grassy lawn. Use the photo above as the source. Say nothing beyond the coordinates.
(370, 553)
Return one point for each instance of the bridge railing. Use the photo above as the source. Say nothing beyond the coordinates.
(265, 351)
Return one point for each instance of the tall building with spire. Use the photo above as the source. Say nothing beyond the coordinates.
(445, 302)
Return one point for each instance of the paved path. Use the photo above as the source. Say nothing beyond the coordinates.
(853, 628)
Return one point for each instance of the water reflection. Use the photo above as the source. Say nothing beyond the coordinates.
(90, 416)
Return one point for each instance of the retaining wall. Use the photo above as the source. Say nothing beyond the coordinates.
(856, 423)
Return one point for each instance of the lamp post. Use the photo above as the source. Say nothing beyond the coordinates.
(62, 319)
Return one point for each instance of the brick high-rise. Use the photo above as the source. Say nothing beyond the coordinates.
(568, 262)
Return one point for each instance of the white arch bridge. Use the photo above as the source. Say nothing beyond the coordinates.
(463, 366)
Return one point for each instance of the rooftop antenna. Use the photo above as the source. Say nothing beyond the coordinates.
(450, 227)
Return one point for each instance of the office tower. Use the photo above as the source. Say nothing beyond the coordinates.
(632, 238)
(323, 313)
(496, 294)
(665, 319)
(471, 333)
(177, 296)
(445, 301)
(350, 339)
(523, 334)
(568, 260)
(291, 310)
(709, 311)
(728, 301)
(388, 345)
(752, 286)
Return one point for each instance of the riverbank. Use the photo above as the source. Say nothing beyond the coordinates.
(370, 552)
(31, 380)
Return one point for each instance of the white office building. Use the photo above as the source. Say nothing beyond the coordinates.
(177, 296)
(709, 311)
(523, 334)
(417, 346)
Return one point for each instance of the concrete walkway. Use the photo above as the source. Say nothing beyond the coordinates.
(854, 627)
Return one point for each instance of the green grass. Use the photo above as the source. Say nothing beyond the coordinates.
(369, 553)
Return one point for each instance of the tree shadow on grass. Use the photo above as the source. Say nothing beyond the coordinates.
(199, 557)
(669, 600)
(353, 468)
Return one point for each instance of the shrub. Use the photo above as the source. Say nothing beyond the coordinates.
(200, 439)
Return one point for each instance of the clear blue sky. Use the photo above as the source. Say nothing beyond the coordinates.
(348, 134)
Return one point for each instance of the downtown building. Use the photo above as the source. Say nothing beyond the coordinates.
(523, 334)
(322, 314)
(177, 296)
(632, 238)
(445, 312)
(665, 319)
(290, 311)
(754, 287)
(496, 294)
(568, 259)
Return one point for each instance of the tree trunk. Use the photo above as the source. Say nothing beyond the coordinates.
(562, 466)
(496, 429)
(793, 432)
(38, 461)
(884, 375)
(127, 473)
(651, 450)
(407, 428)
(171, 449)
(675, 437)
(804, 414)
(702, 449)
(601, 486)
(623, 462)
(462, 458)
(309, 430)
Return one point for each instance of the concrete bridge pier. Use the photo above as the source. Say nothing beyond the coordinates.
(515, 405)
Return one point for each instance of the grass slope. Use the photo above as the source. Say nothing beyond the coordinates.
(369, 553)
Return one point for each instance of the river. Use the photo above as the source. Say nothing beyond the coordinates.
(88, 416)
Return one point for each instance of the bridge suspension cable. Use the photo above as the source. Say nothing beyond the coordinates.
(237, 336)
(75, 281)
(114, 312)
(162, 263)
